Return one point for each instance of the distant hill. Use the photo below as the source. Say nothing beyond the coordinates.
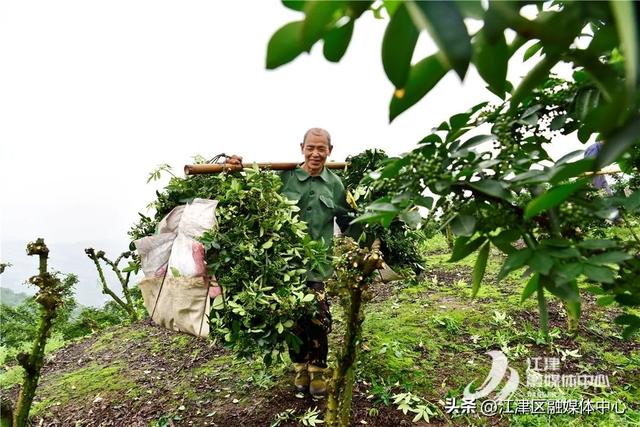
(11, 298)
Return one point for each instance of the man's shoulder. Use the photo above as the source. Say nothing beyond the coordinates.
(285, 175)
(334, 179)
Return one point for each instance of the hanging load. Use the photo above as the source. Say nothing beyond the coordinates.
(176, 286)
(257, 248)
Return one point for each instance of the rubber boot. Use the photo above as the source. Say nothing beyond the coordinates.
(317, 385)
(301, 382)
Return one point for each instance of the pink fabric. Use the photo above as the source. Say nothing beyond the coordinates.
(214, 291)
(197, 250)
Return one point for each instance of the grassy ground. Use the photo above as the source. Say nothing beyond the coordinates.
(424, 341)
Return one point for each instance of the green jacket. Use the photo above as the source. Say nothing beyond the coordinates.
(320, 199)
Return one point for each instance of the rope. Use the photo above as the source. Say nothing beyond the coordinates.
(164, 276)
(206, 298)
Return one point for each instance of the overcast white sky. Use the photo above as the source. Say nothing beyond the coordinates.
(93, 95)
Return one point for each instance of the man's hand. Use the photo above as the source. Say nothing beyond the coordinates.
(234, 160)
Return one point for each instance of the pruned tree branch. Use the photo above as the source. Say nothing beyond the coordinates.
(126, 305)
(50, 297)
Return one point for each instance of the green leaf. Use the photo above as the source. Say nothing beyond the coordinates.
(267, 244)
(632, 202)
(551, 198)
(604, 39)
(445, 24)
(381, 217)
(541, 263)
(567, 291)
(284, 45)
(515, 261)
(563, 253)
(475, 141)
(308, 298)
(632, 321)
(612, 257)
(491, 60)
(471, 8)
(571, 170)
(458, 121)
(358, 7)
(297, 5)
(463, 247)
(619, 142)
(391, 6)
(463, 225)
(597, 244)
(380, 206)
(426, 202)
(479, 268)
(532, 286)
(503, 240)
(218, 303)
(626, 18)
(599, 274)
(531, 50)
(318, 16)
(606, 300)
(586, 100)
(412, 218)
(337, 41)
(491, 187)
(558, 122)
(398, 44)
(423, 76)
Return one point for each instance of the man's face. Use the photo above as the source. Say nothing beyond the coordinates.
(316, 150)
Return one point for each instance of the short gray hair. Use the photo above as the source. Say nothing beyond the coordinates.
(317, 131)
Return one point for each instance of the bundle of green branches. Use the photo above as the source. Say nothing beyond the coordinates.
(401, 240)
(260, 253)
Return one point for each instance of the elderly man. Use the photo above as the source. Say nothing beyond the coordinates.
(320, 195)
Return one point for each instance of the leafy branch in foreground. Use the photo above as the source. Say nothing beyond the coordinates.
(509, 194)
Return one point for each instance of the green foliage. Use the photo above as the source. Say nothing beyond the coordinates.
(18, 324)
(500, 211)
(400, 242)
(409, 402)
(91, 319)
(259, 252)
(510, 194)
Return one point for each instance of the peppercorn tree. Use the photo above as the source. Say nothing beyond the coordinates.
(401, 241)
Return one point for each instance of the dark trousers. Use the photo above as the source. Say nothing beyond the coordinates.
(313, 331)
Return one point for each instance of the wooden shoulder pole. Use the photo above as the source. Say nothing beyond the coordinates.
(276, 166)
